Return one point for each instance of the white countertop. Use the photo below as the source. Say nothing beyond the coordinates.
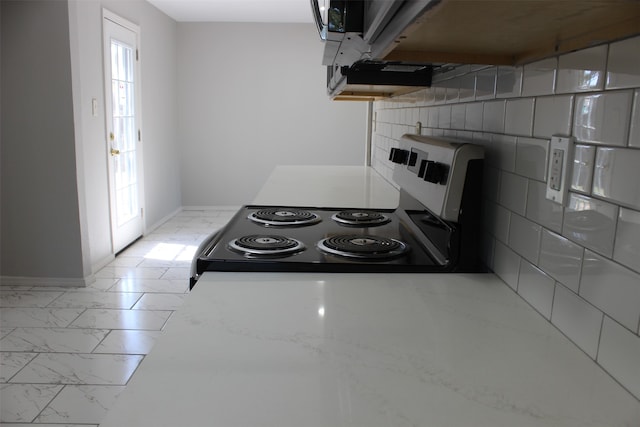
(357, 350)
(280, 350)
(328, 186)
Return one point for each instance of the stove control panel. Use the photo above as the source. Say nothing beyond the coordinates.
(433, 171)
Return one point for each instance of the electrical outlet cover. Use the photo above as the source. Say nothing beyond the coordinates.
(560, 166)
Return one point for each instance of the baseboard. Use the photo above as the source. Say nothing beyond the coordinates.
(97, 266)
(59, 282)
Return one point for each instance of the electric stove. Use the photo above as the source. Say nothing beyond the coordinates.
(435, 228)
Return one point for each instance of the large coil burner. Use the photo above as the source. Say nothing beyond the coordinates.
(260, 245)
(284, 217)
(363, 246)
(360, 218)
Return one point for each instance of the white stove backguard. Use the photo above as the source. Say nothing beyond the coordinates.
(433, 171)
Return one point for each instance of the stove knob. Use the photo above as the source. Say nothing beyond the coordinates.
(436, 173)
(399, 156)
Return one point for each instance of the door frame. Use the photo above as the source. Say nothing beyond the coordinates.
(118, 20)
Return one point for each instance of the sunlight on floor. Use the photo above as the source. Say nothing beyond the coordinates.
(171, 252)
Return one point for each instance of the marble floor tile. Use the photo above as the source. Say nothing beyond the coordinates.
(128, 342)
(87, 404)
(140, 248)
(53, 340)
(23, 402)
(126, 261)
(66, 352)
(153, 301)
(76, 368)
(27, 298)
(151, 285)
(100, 285)
(97, 300)
(12, 362)
(130, 273)
(177, 273)
(26, 317)
(5, 331)
(122, 319)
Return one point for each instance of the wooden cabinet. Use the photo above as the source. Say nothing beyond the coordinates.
(503, 32)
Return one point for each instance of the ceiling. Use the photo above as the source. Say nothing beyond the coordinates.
(273, 11)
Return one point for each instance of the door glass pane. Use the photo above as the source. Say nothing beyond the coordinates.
(124, 130)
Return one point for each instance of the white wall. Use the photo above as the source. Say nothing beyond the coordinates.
(159, 114)
(579, 265)
(41, 233)
(252, 96)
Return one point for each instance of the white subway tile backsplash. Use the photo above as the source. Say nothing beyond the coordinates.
(634, 131)
(553, 116)
(528, 241)
(541, 210)
(583, 163)
(473, 116)
(457, 116)
(433, 117)
(524, 237)
(486, 83)
(539, 77)
(513, 192)
(627, 246)
(536, 288)
(444, 117)
(503, 152)
(624, 64)
(603, 118)
(506, 264)
(561, 258)
(577, 319)
(518, 118)
(531, 158)
(509, 82)
(591, 223)
(493, 116)
(497, 221)
(616, 176)
(582, 70)
(612, 288)
(467, 88)
(619, 354)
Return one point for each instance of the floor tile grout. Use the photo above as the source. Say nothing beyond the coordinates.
(34, 329)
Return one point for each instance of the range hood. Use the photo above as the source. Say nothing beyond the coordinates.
(355, 34)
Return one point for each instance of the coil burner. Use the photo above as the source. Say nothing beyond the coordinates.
(281, 217)
(360, 218)
(259, 245)
(363, 246)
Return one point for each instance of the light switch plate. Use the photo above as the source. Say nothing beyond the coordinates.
(559, 170)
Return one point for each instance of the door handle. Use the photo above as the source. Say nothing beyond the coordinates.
(115, 152)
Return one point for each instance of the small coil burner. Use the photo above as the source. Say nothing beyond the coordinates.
(284, 217)
(360, 218)
(363, 246)
(259, 245)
